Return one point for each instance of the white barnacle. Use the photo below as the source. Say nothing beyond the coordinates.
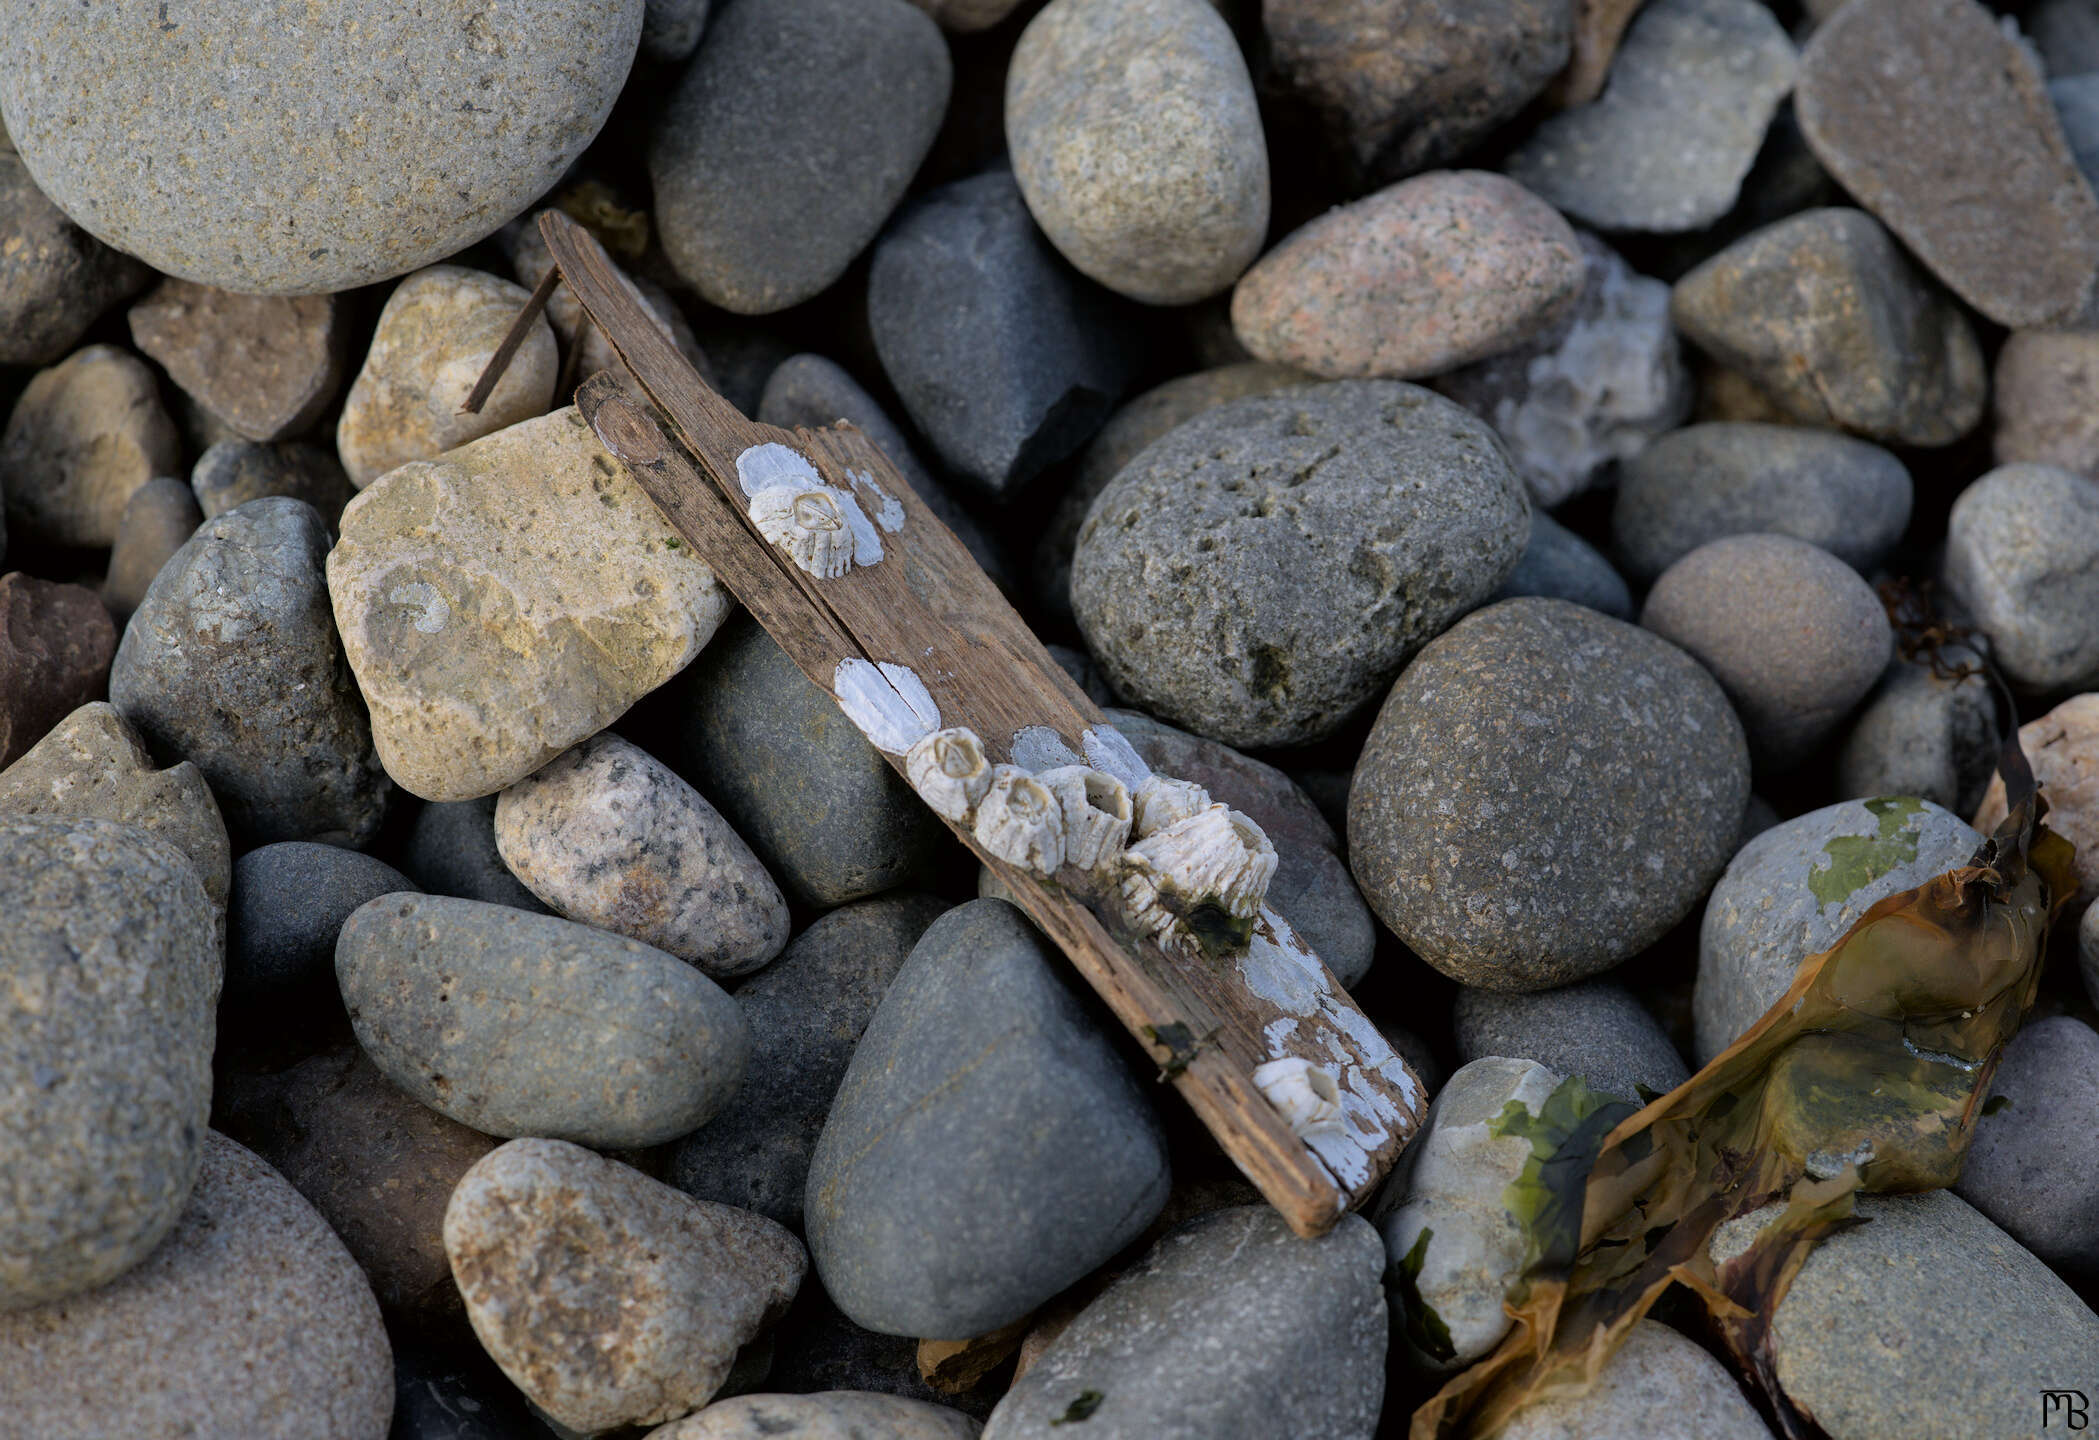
(1161, 800)
(1020, 821)
(1096, 810)
(1216, 859)
(1305, 1094)
(948, 770)
(807, 523)
(763, 467)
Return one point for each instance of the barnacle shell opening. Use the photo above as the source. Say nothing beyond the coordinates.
(1020, 821)
(1303, 1093)
(1161, 801)
(949, 771)
(809, 525)
(1096, 810)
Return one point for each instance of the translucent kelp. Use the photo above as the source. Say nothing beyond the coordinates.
(1867, 1075)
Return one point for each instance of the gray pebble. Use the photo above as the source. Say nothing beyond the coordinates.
(1558, 564)
(2033, 1166)
(160, 515)
(1596, 1030)
(2088, 952)
(1230, 1328)
(1261, 573)
(670, 29)
(1474, 830)
(111, 954)
(1707, 482)
(844, 1414)
(232, 661)
(988, 1146)
(84, 435)
(788, 141)
(1659, 1385)
(289, 901)
(55, 278)
(452, 851)
(2022, 556)
(1006, 360)
(266, 366)
(233, 472)
(1923, 734)
(2041, 391)
(1791, 632)
(522, 1024)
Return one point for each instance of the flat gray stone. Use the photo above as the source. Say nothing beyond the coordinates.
(1595, 1029)
(2033, 1166)
(1659, 1385)
(1472, 826)
(521, 1024)
(2022, 556)
(290, 900)
(82, 437)
(1558, 564)
(233, 472)
(452, 851)
(55, 278)
(1926, 735)
(2039, 396)
(988, 1147)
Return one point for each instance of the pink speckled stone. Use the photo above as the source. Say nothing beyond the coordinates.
(1422, 277)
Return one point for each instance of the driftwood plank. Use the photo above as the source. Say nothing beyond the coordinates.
(926, 606)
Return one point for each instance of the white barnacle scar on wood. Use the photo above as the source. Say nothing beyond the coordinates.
(820, 527)
(888, 703)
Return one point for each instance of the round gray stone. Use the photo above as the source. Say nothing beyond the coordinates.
(988, 1146)
(290, 900)
(1792, 633)
(233, 472)
(1926, 735)
(55, 278)
(1793, 891)
(521, 1024)
(452, 851)
(788, 141)
(670, 29)
(1558, 564)
(2033, 1166)
(1596, 1030)
(1262, 572)
(1659, 1385)
(1532, 747)
(2041, 387)
(1706, 482)
(2022, 555)
(308, 155)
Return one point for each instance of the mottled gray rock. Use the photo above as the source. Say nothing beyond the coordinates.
(788, 141)
(83, 436)
(832, 1415)
(1422, 277)
(2032, 1165)
(250, 1319)
(609, 1298)
(1595, 389)
(55, 278)
(1877, 82)
(1006, 361)
(1558, 564)
(55, 646)
(1984, 1327)
(265, 366)
(290, 900)
(1596, 1030)
(609, 835)
(523, 1024)
(806, 1013)
(1791, 632)
(670, 29)
(1136, 139)
(1659, 1385)
(2042, 390)
(988, 1145)
(1230, 1328)
(111, 957)
(1707, 482)
(1839, 328)
(233, 472)
(160, 515)
(232, 661)
(1401, 86)
(274, 159)
(1262, 571)
(1669, 142)
(1925, 735)
(1471, 826)
(2022, 557)
(822, 808)
(1793, 891)
(452, 851)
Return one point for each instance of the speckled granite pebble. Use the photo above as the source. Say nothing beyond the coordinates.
(83, 436)
(266, 366)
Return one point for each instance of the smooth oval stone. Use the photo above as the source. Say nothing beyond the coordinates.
(1791, 632)
(1469, 826)
(2031, 1167)
(439, 330)
(521, 1024)
(609, 835)
(232, 661)
(1876, 83)
(231, 473)
(789, 139)
(1005, 360)
(2063, 749)
(55, 278)
(1558, 564)
(377, 1166)
(1596, 1030)
(1668, 144)
(265, 366)
(249, 1319)
(84, 435)
(806, 1012)
(452, 851)
(1422, 277)
(1400, 86)
(825, 812)
(1923, 734)
(56, 642)
(305, 155)
(1659, 1384)
(2042, 387)
(1707, 482)
(832, 1415)
(508, 599)
(1985, 1326)
(1230, 1328)
(290, 900)
(609, 1298)
(2022, 556)
(1838, 328)
(1793, 891)
(1262, 571)
(988, 1146)
(160, 515)
(106, 1025)
(1136, 139)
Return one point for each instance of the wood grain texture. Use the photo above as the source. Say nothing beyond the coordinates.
(926, 605)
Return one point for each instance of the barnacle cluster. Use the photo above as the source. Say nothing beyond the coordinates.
(809, 524)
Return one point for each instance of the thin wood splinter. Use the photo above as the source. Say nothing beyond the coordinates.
(519, 329)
